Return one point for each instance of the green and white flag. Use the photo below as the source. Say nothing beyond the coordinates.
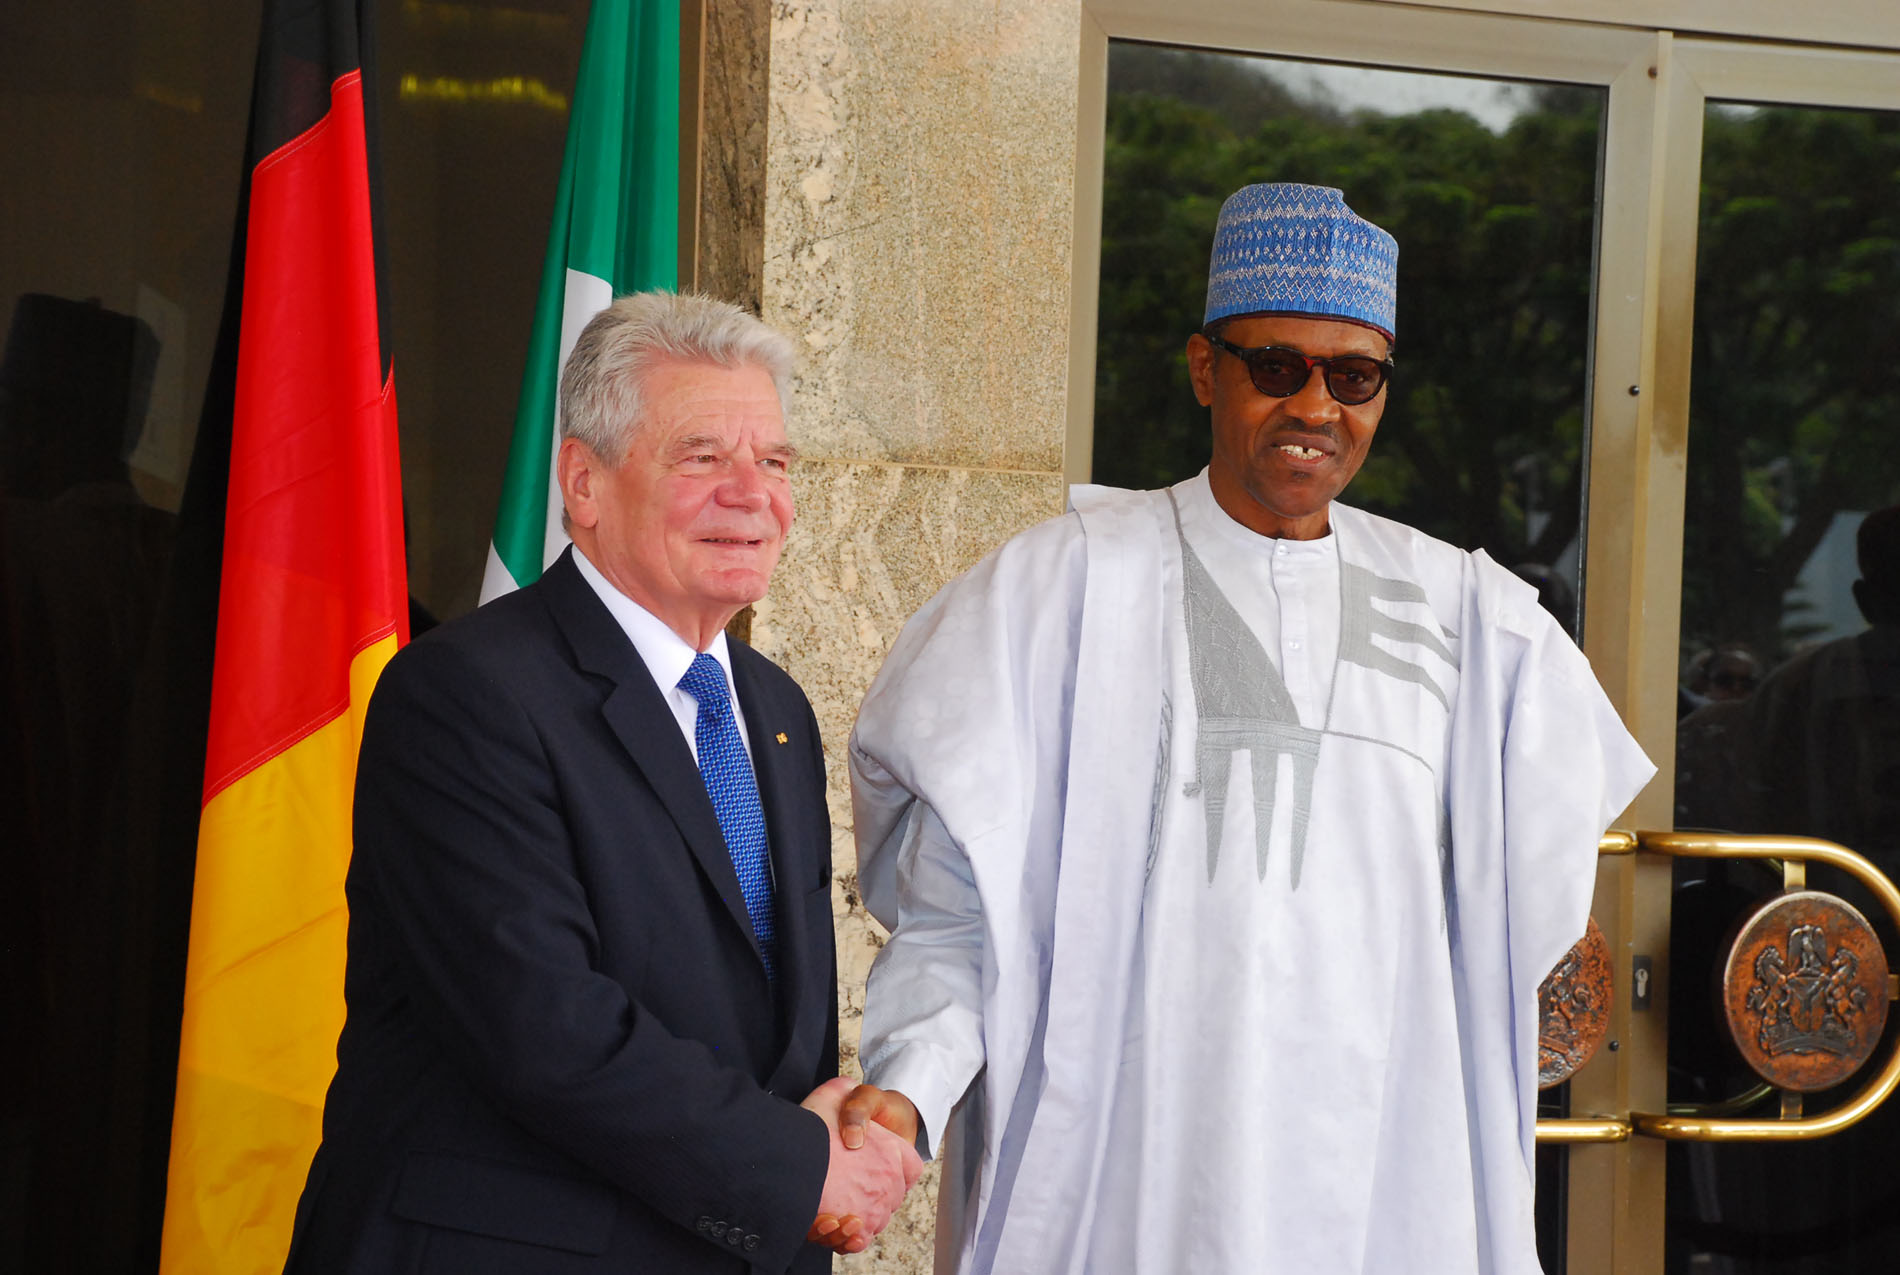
(616, 230)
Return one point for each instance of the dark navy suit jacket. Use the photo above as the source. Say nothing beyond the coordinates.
(562, 1053)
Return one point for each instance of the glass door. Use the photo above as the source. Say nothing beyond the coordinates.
(1490, 186)
(1489, 146)
(1789, 696)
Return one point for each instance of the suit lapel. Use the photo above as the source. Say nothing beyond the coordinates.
(638, 715)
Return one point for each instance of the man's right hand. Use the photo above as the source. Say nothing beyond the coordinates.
(886, 1106)
(863, 1185)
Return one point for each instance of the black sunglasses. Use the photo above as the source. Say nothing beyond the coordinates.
(1280, 372)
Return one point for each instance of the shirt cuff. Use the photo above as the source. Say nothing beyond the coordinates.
(919, 1077)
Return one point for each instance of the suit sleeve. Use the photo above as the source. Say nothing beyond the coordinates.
(463, 857)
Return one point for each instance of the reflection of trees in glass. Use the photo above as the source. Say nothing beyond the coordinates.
(1482, 440)
(1795, 396)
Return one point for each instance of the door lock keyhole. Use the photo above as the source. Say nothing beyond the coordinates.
(1641, 968)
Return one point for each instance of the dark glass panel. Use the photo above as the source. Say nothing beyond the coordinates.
(474, 120)
(1790, 692)
(122, 128)
(121, 145)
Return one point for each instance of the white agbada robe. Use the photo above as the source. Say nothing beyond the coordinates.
(1204, 1049)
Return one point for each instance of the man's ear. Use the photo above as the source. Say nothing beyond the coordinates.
(577, 469)
(1200, 361)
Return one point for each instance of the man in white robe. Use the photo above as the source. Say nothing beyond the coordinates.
(1225, 834)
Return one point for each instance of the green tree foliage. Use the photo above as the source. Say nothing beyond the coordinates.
(1484, 427)
(1795, 380)
(1796, 376)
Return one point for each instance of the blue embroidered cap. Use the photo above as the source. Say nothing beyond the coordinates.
(1283, 248)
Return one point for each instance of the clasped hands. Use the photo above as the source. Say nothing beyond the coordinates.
(874, 1161)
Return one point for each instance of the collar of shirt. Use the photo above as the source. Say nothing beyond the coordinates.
(1200, 512)
(665, 653)
(1285, 591)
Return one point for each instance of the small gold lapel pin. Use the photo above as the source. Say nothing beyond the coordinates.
(781, 737)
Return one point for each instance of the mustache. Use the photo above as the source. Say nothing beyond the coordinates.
(1300, 433)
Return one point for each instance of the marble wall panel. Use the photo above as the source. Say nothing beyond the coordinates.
(730, 226)
(872, 543)
(919, 196)
(919, 202)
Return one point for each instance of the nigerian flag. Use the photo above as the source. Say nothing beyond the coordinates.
(616, 227)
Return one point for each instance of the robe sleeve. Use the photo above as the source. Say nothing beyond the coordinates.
(956, 766)
(979, 724)
(1540, 764)
(1566, 767)
(923, 1018)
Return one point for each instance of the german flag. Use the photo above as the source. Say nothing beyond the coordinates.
(312, 603)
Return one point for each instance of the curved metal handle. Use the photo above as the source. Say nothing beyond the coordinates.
(1794, 853)
(1592, 1128)
(1583, 1129)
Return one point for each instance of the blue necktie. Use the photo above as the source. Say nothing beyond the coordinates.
(727, 771)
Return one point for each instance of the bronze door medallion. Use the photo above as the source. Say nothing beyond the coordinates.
(1805, 991)
(1573, 1009)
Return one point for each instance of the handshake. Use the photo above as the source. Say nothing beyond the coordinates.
(874, 1161)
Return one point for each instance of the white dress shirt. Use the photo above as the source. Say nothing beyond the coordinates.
(666, 654)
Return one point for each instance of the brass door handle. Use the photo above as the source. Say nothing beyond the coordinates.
(1592, 1128)
(1793, 855)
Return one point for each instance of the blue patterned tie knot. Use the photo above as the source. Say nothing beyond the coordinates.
(727, 772)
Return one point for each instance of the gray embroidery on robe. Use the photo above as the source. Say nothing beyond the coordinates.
(1358, 622)
(1164, 758)
(1242, 705)
(1446, 884)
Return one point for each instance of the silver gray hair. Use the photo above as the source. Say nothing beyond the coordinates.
(603, 384)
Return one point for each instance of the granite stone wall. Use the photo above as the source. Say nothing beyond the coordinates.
(919, 208)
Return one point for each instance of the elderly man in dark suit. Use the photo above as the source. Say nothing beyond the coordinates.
(592, 992)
